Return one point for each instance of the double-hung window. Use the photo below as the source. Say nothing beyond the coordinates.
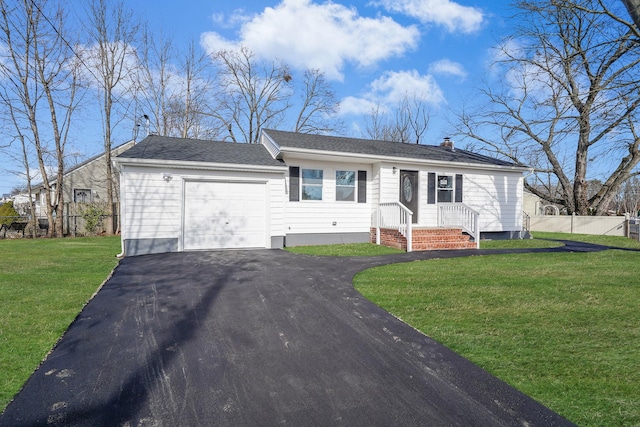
(312, 184)
(445, 188)
(345, 186)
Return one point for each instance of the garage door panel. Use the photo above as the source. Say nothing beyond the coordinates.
(225, 215)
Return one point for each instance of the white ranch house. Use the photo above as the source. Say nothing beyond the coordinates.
(300, 189)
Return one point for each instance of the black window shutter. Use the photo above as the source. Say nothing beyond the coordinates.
(362, 186)
(458, 197)
(294, 184)
(431, 193)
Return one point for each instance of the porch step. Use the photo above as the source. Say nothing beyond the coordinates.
(426, 239)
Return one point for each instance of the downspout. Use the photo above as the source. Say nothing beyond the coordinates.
(122, 204)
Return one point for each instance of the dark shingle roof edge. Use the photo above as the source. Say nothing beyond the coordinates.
(73, 168)
(367, 147)
(172, 149)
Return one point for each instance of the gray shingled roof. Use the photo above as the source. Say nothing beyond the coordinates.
(379, 148)
(156, 147)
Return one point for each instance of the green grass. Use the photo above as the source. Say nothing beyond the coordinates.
(562, 328)
(44, 283)
(517, 244)
(348, 249)
(615, 241)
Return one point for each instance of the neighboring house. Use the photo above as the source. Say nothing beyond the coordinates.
(532, 204)
(85, 182)
(300, 189)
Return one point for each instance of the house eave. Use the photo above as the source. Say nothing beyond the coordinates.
(304, 153)
(174, 164)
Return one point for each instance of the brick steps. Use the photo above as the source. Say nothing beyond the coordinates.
(426, 239)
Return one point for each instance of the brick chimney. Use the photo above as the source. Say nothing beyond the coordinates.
(448, 143)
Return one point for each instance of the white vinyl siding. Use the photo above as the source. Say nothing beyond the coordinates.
(498, 198)
(496, 195)
(154, 208)
(329, 215)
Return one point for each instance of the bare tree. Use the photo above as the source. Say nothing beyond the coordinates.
(253, 94)
(40, 88)
(112, 30)
(567, 100)
(192, 100)
(408, 123)
(627, 200)
(155, 79)
(176, 89)
(319, 105)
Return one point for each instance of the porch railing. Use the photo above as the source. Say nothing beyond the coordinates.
(396, 216)
(460, 215)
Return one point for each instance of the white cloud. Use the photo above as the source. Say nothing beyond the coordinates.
(448, 67)
(453, 16)
(238, 17)
(394, 86)
(356, 106)
(324, 36)
(213, 42)
(391, 89)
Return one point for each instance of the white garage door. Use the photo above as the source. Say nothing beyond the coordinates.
(221, 215)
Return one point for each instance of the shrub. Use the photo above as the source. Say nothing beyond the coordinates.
(7, 213)
(92, 214)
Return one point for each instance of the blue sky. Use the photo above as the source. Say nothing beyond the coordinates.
(372, 51)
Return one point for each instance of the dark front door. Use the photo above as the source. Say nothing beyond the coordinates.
(409, 191)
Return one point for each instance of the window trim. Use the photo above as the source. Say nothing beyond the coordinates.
(450, 189)
(457, 187)
(353, 187)
(303, 185)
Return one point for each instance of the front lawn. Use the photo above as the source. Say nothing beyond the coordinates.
(563, 328)
(44, 283)
(346, 249)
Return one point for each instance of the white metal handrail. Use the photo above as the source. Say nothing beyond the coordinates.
(396, 216)
(460, 215)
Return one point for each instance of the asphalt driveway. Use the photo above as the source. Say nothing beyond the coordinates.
(237, 338)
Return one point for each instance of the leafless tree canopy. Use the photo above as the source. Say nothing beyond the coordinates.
(254, 94)
(112, 31)
(175, 89)
(566, 100)
(39, 93)
(406, 124)
(318, 105)
(52, 57)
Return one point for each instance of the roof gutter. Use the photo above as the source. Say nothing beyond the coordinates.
(407, 160)
(181, 164)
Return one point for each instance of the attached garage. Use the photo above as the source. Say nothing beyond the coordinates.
(184, 195)
(224, 215)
